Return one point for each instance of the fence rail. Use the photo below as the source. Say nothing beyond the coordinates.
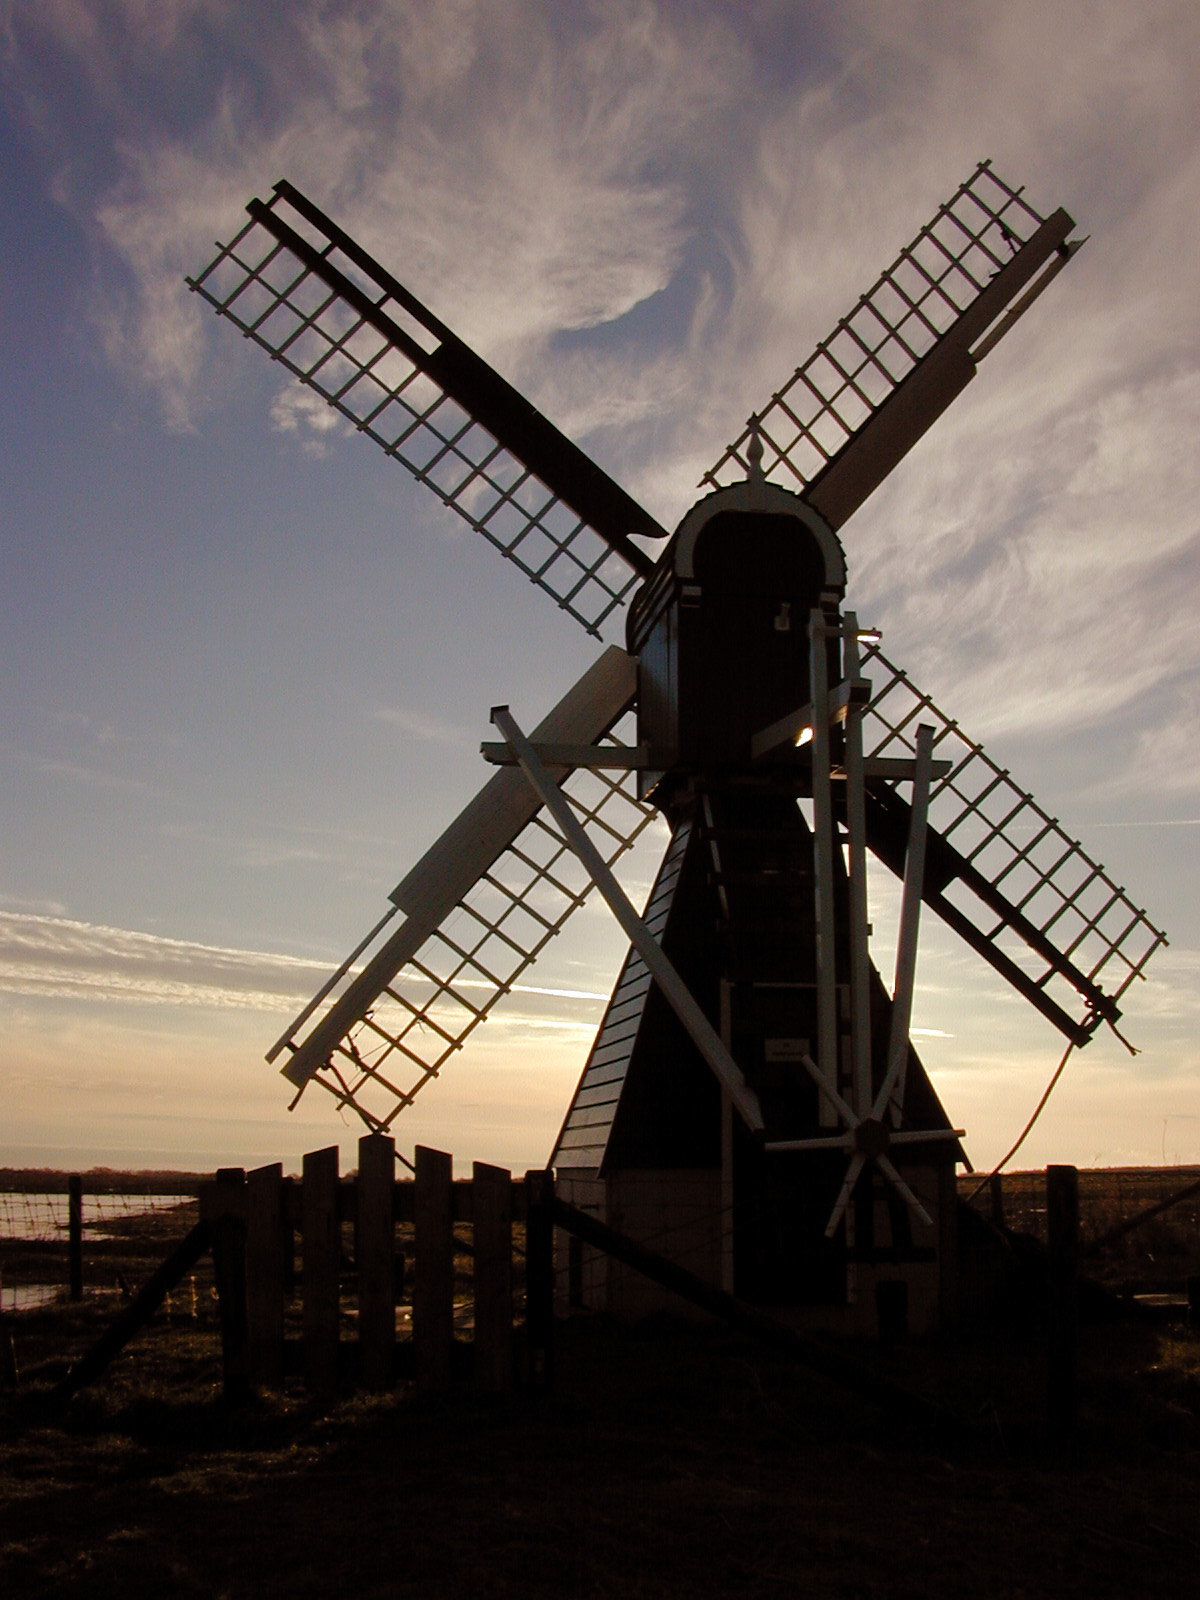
(40, 1180)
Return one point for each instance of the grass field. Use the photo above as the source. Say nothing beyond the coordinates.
(669, 1461)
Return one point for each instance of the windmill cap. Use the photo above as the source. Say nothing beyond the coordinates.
(755, 494)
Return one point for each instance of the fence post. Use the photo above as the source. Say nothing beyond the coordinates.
(539, 1277)
(1062, 1229)
(223, 1204)
(491, 1197)
(433, 1275)
(266, 1239)
(321, 1231)
(75, 1234)
(996, 1194)
(375, 1259)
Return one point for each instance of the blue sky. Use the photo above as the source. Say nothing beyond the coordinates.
(245, 665)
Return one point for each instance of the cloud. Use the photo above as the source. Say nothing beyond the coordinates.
(303, 412)
(73, 772)
(519, 162)
(287, 846)
(544, 185)
(418, 725)
(19, 902)
(645, 216)
(538, 179)
(57, 957)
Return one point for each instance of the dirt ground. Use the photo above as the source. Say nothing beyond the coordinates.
(673, 1461)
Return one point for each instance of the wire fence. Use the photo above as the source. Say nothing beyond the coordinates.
(1139, 1226)
(41, 1218)
(128, 1223)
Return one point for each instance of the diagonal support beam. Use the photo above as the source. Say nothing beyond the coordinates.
(675, 991)
(906, 944)
(856, 828)
(823, 848)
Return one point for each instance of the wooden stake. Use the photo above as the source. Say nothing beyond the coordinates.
(130, 1320)
(375, 1257)
(223, 1205)
(539, 1277)
(1062, 1223)
(433, 1275)
(265, 1273)
(996, 1194)
(322, 1231)
(75, 1234)
(492, 1203)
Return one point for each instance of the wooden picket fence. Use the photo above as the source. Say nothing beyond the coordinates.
(252, 1221)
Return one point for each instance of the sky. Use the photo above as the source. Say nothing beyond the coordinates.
(245, 663)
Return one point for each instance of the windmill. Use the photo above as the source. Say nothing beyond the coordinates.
(752, 1102)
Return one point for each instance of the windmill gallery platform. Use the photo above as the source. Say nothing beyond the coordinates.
(752, 1106)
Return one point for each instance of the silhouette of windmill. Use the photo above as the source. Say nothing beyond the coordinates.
(752, 1102)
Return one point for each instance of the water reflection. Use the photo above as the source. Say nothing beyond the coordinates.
(29, 1296)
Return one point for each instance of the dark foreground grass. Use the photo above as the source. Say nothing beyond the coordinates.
(672, 1462)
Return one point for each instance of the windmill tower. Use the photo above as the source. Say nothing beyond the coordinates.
(752, 1103)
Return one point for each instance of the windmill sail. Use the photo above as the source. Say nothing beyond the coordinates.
(907, 349)
(468, 920)
(1001, 871)
(293, 282)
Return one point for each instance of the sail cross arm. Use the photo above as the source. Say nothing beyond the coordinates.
(479, 389)
(888, 825)
(476, 911)
(908, 413)
(318, 303)
(1000, 870)
(909, 347)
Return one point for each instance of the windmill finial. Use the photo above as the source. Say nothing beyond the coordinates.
(754, 453)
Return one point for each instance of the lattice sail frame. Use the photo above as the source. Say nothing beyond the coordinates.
(1018, 848)
(914, 304)
(350, 332)
(465, 966)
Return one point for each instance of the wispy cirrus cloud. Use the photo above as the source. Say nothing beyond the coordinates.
(550, 180)
(56, 957)
(303, 413)
(521, 161)
(269, 848)
(77, 772)
(420, 725)
(645, 216)
(32, 903)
